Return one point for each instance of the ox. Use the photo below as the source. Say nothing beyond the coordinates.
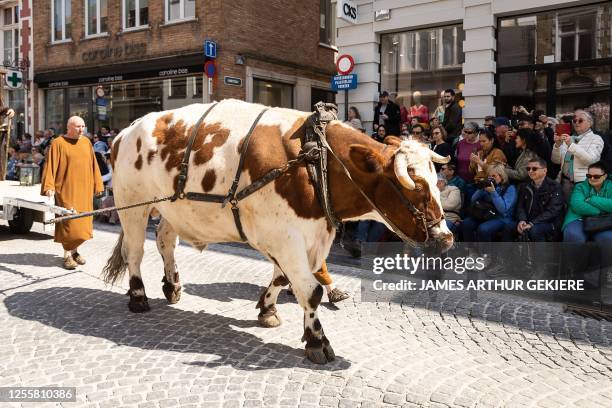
(283, 220)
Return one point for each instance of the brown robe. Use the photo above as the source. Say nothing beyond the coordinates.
(71, 170)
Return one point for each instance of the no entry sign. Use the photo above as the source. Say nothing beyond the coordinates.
(345, 64)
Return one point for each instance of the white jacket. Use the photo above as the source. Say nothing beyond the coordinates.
(451, 201)
(586, 152)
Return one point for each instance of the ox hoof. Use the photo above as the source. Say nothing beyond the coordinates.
(321, 353)
(269, 320)
(139, 304)
(172, 292)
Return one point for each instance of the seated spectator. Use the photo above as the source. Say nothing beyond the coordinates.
(575, 153)
(539, 207)
(488, 154)
(38, 159)
(467, 145)
(439, 145)
(590, 198)
(526, 144)
(11, 166)
(354, 119)
(404, 131)
(449, 172)
(99, 145)
(418, 133)
(450, 197)
(500, 197)
(434, 122)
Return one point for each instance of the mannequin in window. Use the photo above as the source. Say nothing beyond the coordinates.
(418, 110)
(439, 112)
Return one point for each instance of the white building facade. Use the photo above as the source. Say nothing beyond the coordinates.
(547, 55)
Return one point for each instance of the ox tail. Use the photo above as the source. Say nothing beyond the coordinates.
(115, 266)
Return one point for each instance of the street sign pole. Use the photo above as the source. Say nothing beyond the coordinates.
(346, 105)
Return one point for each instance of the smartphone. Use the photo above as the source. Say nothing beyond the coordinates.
(563, 129)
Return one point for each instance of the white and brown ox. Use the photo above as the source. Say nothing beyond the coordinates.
(283, 220)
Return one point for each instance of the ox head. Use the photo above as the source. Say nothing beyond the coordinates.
(405, 168)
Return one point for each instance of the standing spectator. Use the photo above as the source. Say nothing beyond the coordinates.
(501, 196)
(467, 145)
(539, 208)
(450, 197)
(99, 145)
(526, 144)
(489, 123)
(439, 144)
(387, 114)
(589, 199)
(39, 138)
(575, 154)
(354, 118)
(505, 139)
(489, 154)
(73, 177)
(452, 116)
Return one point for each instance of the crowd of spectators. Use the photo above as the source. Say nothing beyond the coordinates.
(525, 177)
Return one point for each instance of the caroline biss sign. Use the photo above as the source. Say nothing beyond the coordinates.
(347, 11)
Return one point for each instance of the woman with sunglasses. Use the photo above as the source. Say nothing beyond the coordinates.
(439, 145)
(575, 153)
(592, 197)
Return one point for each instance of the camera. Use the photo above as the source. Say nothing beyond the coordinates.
(485, 183)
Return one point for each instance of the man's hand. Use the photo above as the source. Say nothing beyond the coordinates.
(10, 113)
(521, 226)
(567, 139)
(558, 140)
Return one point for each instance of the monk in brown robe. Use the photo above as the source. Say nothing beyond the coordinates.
(72, 175)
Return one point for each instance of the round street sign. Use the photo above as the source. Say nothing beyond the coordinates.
(210, 69)
(345, 64)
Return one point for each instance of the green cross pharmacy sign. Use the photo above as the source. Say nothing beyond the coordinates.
(14, 79)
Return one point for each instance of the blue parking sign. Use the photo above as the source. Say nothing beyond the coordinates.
(210, 49)
(344, 82)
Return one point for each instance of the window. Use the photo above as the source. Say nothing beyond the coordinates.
(272, 93)
(9, 23)
(178, 88)
(179, 10)
(326, 22)
(576, 39)
(8, 47)
(136, 13)
(198, 84)
(62, 14)
(96, 17)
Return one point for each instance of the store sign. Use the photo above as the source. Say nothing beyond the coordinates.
(347, 11)
(129, 50)
(14, 79)
(232, 81)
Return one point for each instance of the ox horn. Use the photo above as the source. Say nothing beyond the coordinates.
(401, 171)
(436, 158)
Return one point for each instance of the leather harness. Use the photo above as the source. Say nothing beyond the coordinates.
(313, 153)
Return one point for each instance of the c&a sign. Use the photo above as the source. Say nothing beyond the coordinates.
(347, 11)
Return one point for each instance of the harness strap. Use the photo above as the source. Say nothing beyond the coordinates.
(179, 193)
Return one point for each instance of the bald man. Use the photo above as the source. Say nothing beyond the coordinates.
(72, 176)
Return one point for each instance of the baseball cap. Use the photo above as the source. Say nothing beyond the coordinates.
(383, 94)
(501, 121)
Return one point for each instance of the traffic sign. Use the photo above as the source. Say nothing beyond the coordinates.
(344, 82)
(14, 79)
(210, 69)
(232, 81)
(345, 64)
(210, 49)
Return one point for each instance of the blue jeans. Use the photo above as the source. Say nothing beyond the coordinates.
(474, 231)
(574, 232)
(452, 226)
(538, 233)
(369, 231)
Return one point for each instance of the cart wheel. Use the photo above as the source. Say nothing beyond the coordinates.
(22, 221)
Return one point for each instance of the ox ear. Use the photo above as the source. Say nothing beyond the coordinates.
(392, 141)
(366, 159)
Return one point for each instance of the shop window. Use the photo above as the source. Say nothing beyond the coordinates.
(419, 65)
(136, 13)
(178, 88)
(326, 22)
(271, 93)
(96, 17)
(528, 89)
(54, 110)
(61, 22)
(177, 10)
(575, 40)
(198, 87)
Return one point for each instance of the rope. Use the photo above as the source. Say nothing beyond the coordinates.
(105, 210)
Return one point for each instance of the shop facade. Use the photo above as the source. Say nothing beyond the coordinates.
(113, 61)
(548, 55)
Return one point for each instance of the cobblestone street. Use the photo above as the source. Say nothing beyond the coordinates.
(67, 328)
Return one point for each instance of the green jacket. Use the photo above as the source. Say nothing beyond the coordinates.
(585, 202)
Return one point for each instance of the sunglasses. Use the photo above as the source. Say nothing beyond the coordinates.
(469, 132)
(578, 120)
(594, 176)
(534, 168)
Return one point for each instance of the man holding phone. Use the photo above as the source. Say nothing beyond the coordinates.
(575, 153)
(387, 114)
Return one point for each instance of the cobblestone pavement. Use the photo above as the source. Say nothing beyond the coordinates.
(67, 328)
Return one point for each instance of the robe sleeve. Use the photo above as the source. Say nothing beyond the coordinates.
(98, 184)
(50, 170)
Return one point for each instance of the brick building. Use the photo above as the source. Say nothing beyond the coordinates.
(111, 61)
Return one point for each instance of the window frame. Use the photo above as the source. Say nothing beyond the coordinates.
(13, 29)
(63, 39)
(182, 5)
(576, 33)
(124, 16)
(99, 31)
